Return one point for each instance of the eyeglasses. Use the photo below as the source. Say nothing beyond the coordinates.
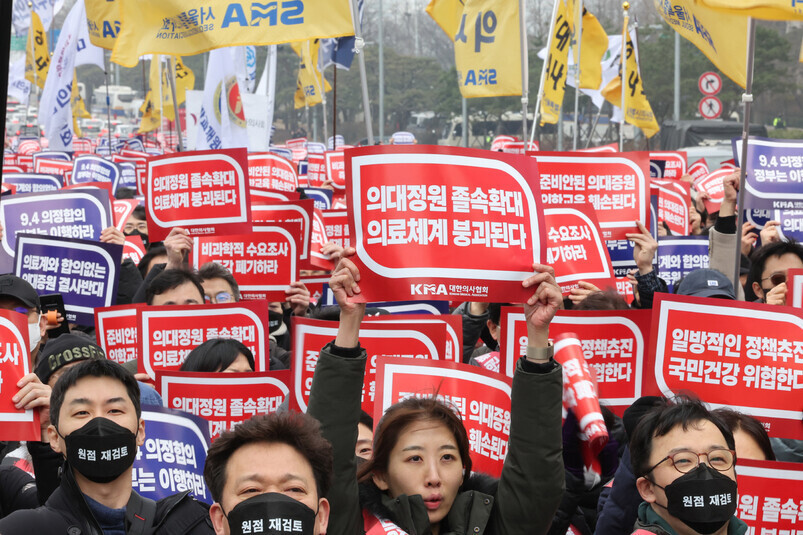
(685, 461)
(776, 279)
(142, 227)
(220, 297)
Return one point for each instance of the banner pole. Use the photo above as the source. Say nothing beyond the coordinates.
(537, 113)
(578, 39)
(359, 44)
(5, 52)
(622, 69)
(747, 98)
(525, 74)
(171, 78)
(334, 108)
(106, 62)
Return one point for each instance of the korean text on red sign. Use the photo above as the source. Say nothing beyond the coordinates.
(17, 424)
(770, 502)
(443, 223)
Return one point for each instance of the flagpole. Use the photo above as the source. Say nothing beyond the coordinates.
(334, 108)
(171, 78)
(537, 112)
(525, 67)
(5, 51)
(106, 62)
(622, 69)
(747, 98)
(578, 39)
(33, 65)
(323, 105)
(359, 44)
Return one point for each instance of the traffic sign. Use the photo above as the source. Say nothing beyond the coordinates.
(709, 83)
(710, 107)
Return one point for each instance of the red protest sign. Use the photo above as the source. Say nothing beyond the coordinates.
(576, 248)
(482, 399)
(519, 147)
(25, 161)
(267, 170)
(122, 208)
(300, 211)
(614, 344)
(673, 206)
(794, 284)
(336, 223)
(51, 167)
(169, 333)
(336, 168)
(424, 340)
(625, 288)
(431, 325)
(698, 169)
(205, 192)
(500, 141)
(264, 262)
(712, 185)
(134, 249)
(17, 424)
(443, 223)
(769, 496)
(319, 239)
(223, 399)
(745, 356)
(116, 331)
(616, 184)
(268, 196)
(675, 166)
(316, 170)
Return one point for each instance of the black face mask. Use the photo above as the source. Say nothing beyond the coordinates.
(271, 514)
(703, 499)
(144, 237)
(101, 450)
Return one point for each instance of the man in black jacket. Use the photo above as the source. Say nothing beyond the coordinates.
(96, 424)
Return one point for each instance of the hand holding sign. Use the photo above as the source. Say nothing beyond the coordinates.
(644, 248)
(112, 235)
(730, 186)
(344, 284)
(178, 244)
(542, 306)
(769, 233)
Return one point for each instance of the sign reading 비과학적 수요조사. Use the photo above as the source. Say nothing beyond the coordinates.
(443, 223)
(80, 214)
(745, 356)
(173, 456)
(774, 173)
(205, 192)
(224, 399)
(17, 424)
(84, 272)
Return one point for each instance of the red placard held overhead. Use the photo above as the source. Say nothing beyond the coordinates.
(575, 248)
(675, 166)
(205, 192)
(712, 185)
(482, 399)
(317, 258)
(15, 424)
(301, 211)
(336, 168)
(224, 399)
(270, 171)
(169, 333)
(745, 356)
(316, 170)
(443, 223)
(122, 209)
(133, 248)
(336, 223)
(673, 206)
(116, 332)
(264, 262)
(769, 496)
(618, 185)
(794, 284)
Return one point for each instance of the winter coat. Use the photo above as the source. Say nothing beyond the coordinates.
(649, 522)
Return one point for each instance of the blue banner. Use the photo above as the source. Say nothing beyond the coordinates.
(281, 151)
(394, 307)
(791, 224)
(173, 456)
(321, 196)
(33, 182)
(135, 144)
(84, 272)
(128, 176)
(80, 214)
(657, 168)
(680, 255)
(52, 155)
(91, 168)
(774, 173)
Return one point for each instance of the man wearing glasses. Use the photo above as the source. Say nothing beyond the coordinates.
(219, 284)
(683, 457)
(770, 264)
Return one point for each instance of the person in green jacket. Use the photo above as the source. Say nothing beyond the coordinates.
(419, 481)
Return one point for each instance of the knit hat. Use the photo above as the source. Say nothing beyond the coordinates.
(66, 349)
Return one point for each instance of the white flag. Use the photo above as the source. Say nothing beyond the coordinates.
(222, 123)
(250, 68)
(21, 14)
(267, 86)
(55, 108)
(88, 54)
(18, 87)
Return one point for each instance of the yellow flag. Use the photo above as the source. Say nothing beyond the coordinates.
(185, 80)
(183, 27)
(37, 57)
(446, 14)
(151, 110)
(593, 46)
(308, 85)
(103, 22)
(760, 9)
(487, 49)
(557, 66)
(78, 106)
(721, 36)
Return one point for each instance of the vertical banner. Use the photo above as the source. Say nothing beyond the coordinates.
(745, 356)
(680, 255)
(224, 399)
(480, 397)
(84, 272)
(617, 185)
(17, 424)
(173, 456)
(205, 192)
(443, 223)
(116, 332)
(557, 66)
(169, 333)
(774, 173)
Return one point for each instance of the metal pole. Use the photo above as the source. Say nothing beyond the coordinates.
(537, 112)
(622, 69)
(108, 99)
(381, 31)
(5, 52)
(747, 98)
(525, 74)
(359, 43)
(464, 130)
(676, 111)
(416, 39)
(334, 108)
(171, 78)
(593, 128)
(578, 39)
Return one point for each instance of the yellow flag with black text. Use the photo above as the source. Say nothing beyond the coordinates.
(37, 56)
(487, 49)
(720, 35)
(185, 80)
(308, 84)
(78, 106)
(187, 27)
(759, 9)
(151, 109)
(446, 14)
(103, 22)
(593, 46)
(557, 67)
